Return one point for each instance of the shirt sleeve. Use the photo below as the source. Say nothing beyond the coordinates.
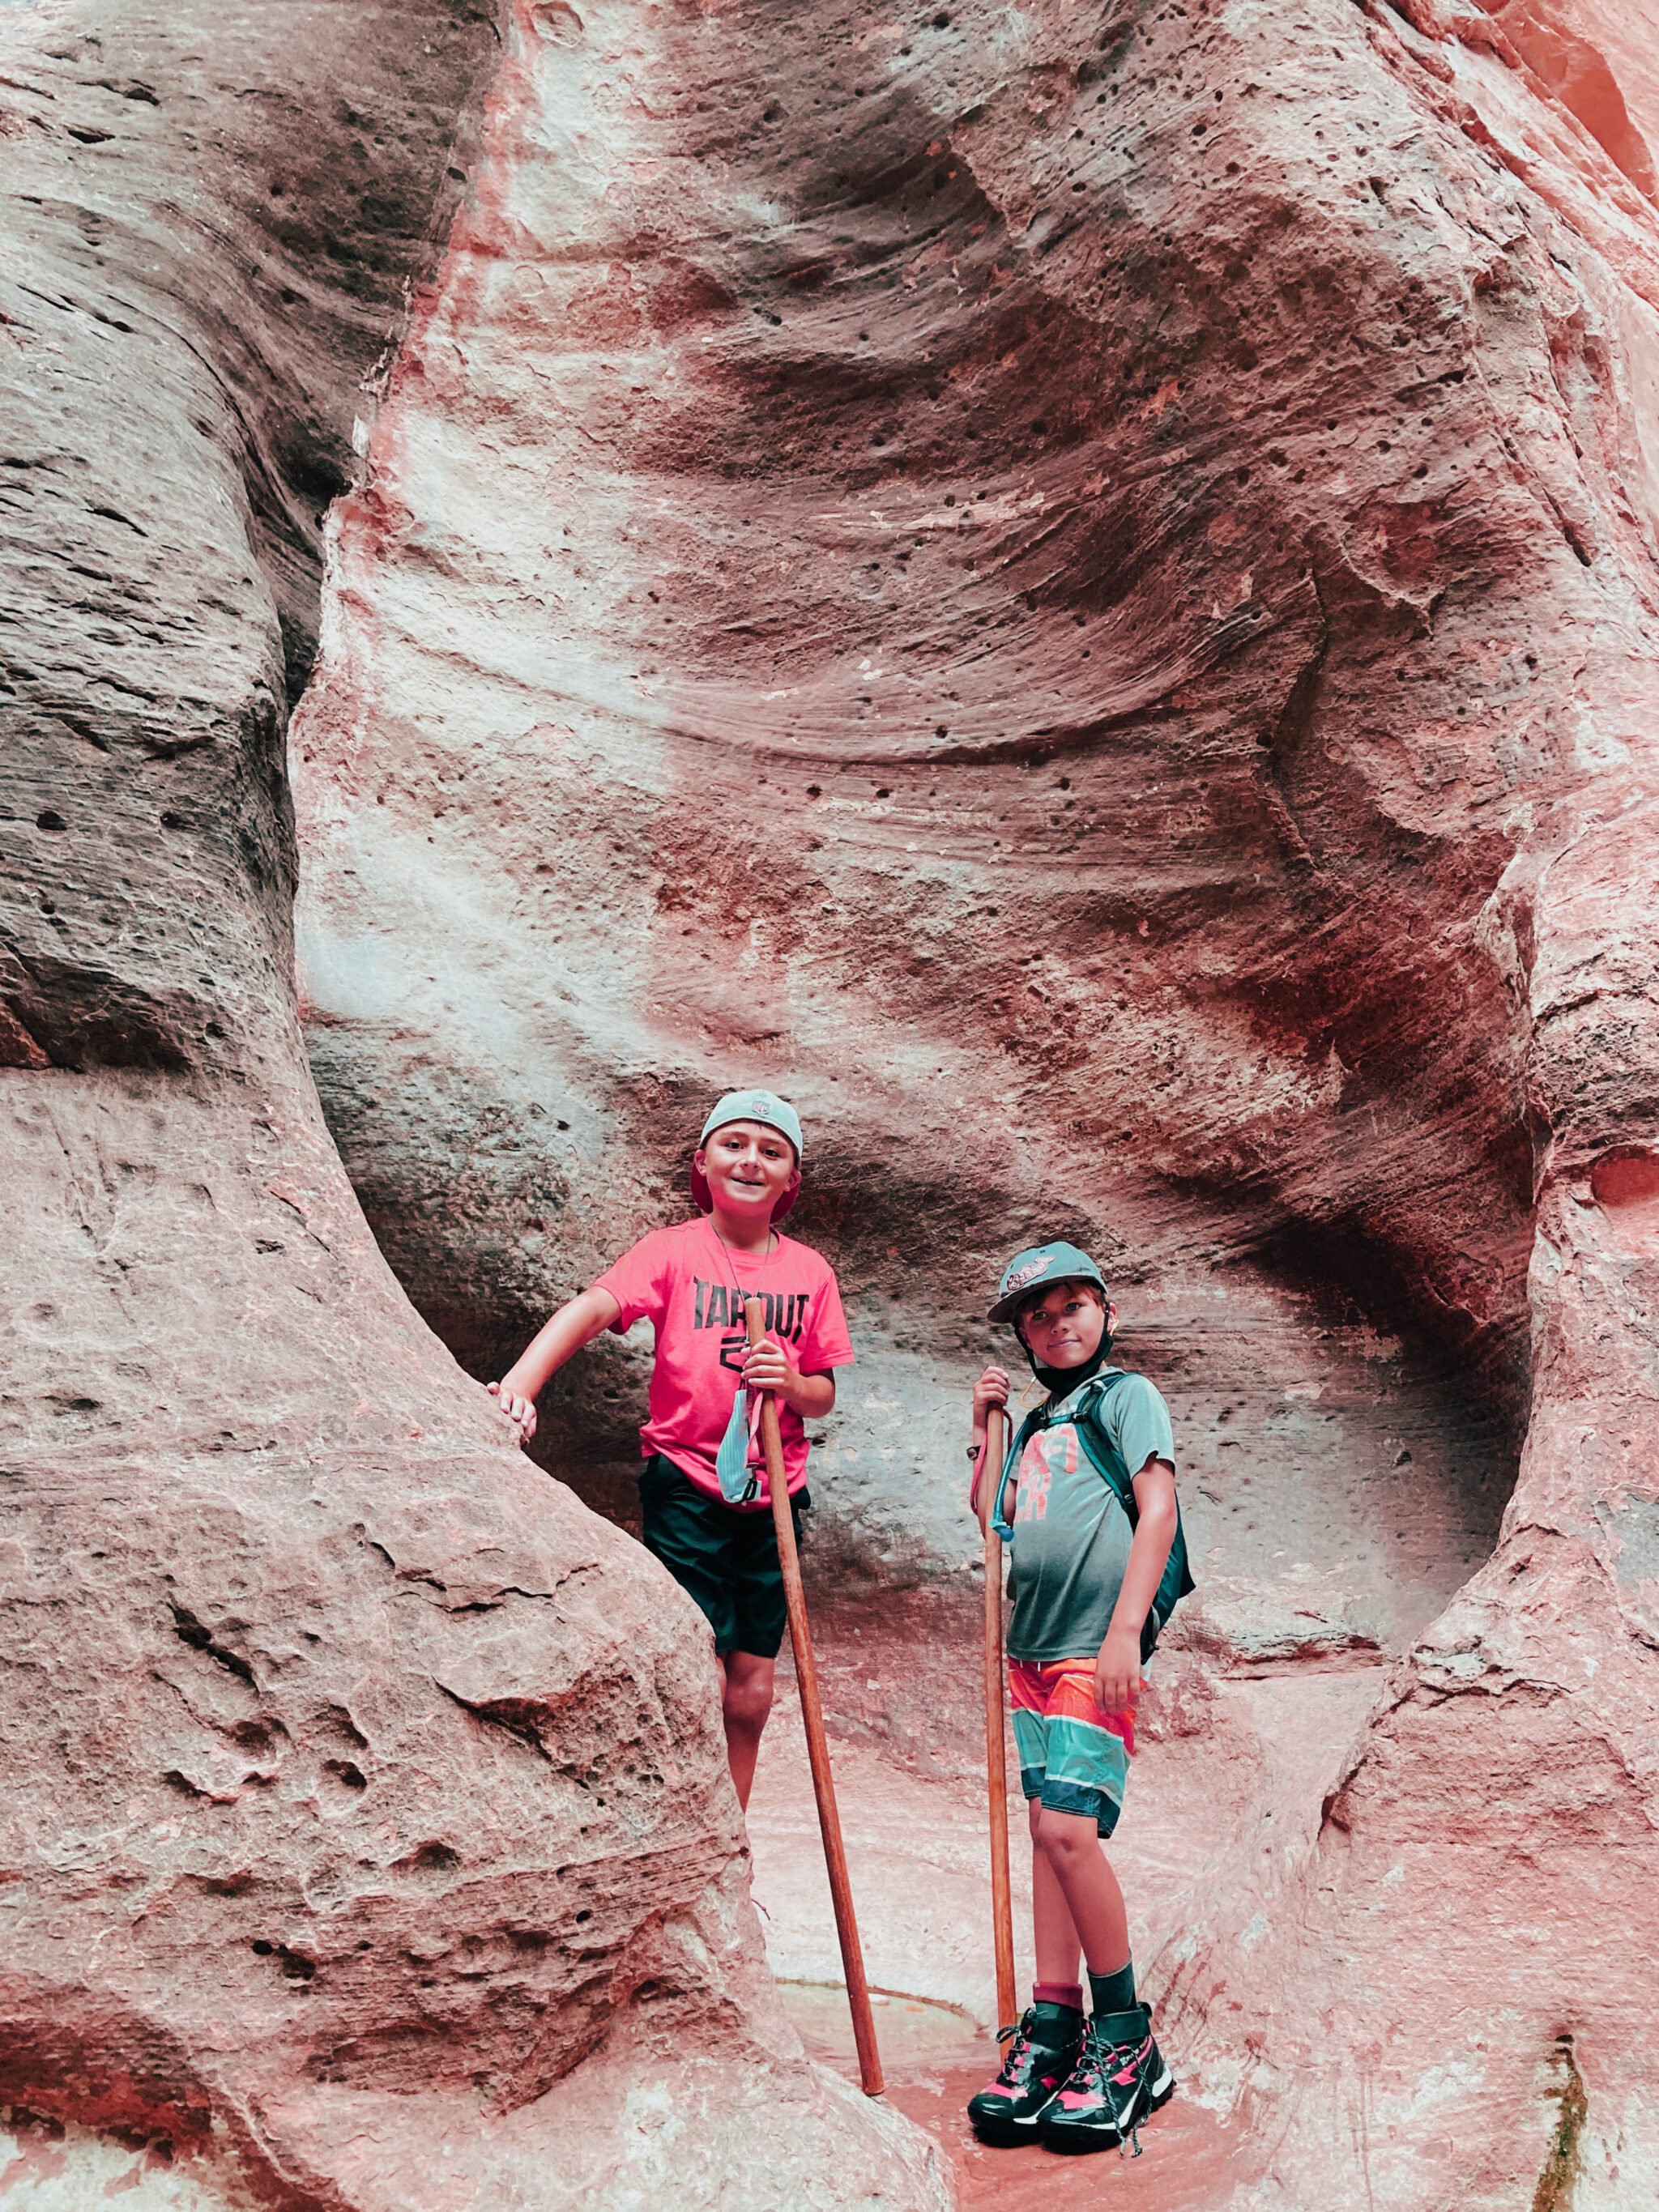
(1137, 1420)
(638, 1282)
(826, 1342)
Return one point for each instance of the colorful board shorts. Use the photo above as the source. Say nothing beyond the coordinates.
(1072, 1757)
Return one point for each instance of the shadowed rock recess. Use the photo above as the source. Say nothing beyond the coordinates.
(1075, 587)
(365, 1835)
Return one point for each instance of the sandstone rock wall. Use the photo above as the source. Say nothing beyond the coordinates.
(365, 1828)
(1076, 588)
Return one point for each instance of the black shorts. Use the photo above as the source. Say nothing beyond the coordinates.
(727, 1560)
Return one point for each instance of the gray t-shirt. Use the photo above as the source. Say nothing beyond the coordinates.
(1069, 1536)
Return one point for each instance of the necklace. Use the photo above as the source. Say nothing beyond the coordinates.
(729, 1269)
(730, 1250)
(740, 1434)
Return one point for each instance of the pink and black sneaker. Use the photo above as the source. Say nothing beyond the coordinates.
(1118, 2081)
(1043, 2050)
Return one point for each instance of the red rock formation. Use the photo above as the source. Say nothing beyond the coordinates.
(365, 1829)
(1077, 588)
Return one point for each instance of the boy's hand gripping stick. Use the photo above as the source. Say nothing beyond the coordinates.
(996, 1765)
(817, 1744)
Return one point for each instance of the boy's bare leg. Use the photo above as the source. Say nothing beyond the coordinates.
(745, 1701)
(1059, 1947)
(1068, 1845)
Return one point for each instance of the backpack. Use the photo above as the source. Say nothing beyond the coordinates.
(1177, 1579)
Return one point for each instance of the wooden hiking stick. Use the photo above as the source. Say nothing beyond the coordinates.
(996, 1762)
(812, 1712)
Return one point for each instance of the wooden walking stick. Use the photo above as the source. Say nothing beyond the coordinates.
(812, 1712)
(996, 1765)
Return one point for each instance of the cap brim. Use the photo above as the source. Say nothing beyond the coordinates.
(1006, 1309)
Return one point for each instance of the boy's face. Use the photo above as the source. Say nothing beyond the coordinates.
(1064, 1326)
(747, 1167)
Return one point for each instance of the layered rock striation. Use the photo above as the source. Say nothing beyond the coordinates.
(1076, 589)
(366, 1839)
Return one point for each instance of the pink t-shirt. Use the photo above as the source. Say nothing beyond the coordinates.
(690, 1288)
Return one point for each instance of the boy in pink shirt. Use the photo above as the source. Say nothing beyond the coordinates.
(707, 1515)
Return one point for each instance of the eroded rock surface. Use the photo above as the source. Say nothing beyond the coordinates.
(366, 1834)
(1076, 588)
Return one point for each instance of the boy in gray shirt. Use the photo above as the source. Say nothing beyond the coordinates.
(1087, 1577)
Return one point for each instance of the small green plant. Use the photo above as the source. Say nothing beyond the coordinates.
(1558, 2182)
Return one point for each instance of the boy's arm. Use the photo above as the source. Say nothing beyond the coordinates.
(577, 1323)
(768, 1367)
(1117, 1670)
(824, 1345)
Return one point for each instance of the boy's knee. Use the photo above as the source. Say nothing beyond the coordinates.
(747, 1707)
(746, 1698)
(1064, 1838)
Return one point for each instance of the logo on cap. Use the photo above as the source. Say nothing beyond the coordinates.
(1021, 1276)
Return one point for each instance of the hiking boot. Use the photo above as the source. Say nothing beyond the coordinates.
(1120, 2080)
(1033, 2068)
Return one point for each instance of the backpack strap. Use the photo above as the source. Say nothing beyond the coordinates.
(1177, 1581)
(1109, 1461)
(1034, 1420)
(1096, 1442)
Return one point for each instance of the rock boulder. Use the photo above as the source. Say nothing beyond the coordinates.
(366, 1839)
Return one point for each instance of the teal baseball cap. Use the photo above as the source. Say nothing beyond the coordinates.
(772, 1113)
(1037, 1268)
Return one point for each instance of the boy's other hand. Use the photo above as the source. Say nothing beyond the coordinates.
(767, 1367)
(519, 1411)
(1118, 1680)
(991, 1389)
